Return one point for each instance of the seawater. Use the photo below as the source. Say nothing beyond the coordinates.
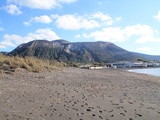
(149, 71)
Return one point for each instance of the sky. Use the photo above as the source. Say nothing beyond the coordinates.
(131, 24)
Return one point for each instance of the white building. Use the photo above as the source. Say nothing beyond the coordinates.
(127, 64)
(153, 64)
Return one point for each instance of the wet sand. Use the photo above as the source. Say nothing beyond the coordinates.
(79, 94)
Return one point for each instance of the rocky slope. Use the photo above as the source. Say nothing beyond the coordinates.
(74, 51)
(149, 57)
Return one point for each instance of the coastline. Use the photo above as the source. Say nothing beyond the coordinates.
(148, 71)
(80, 94)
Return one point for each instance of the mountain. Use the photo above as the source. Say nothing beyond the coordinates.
(40, 49)
(3, 53)
(149, 57)
(75, 51)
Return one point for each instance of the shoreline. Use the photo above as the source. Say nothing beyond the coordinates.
(142, 71)
(80, 94)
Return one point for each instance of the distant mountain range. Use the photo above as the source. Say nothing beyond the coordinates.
(4, 53)
(63, 50)
(149, 57)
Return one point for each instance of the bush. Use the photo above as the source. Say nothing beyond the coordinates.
(32, 64)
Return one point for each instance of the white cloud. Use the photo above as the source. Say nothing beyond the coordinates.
(41, 19)
(40, 4)
(47, 34)
(2, 46)
(26, 23)
(1, 29)
(144, 33)
(105, 18)
(109, 34)
(14, 40)
(101, 16)
(157, 16)
(77, 36)
(67, 1)
(54, 16)
(144, 49)
(13, 9)
(139, 30)
(73, 22)
(118, 19)
(109, 23)
(88, 21)
(148, 38)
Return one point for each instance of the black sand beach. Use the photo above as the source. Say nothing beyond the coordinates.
(79, 94)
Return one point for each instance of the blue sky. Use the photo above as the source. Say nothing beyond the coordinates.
(133, 25)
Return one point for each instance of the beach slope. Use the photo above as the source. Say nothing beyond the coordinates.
(79, 94)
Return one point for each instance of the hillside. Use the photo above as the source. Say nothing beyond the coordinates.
(3, 53)
(39, 48)
(74, 52)
(149, 57)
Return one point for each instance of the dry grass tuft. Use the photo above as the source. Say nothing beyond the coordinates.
(1, 71)
(32, 64)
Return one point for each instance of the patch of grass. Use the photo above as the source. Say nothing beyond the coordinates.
(32, 64)
(1, 71)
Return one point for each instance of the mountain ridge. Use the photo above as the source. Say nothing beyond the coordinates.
(149, 57)
(64, 50)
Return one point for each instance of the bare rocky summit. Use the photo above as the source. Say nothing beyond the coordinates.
(75, 51)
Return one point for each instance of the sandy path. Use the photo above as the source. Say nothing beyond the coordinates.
(79, 94)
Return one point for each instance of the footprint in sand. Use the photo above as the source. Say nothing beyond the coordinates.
(100, 111)
(130, 118)
(110, 111)
(111, 115)
(88, 110)
(151, 108)
(60, 114)
(86, 104)
(139, 115)
(75, 109)
(130, 102)
(158, 112)
(122, 114)
(98, 107)
(80, 114)
(100, 117)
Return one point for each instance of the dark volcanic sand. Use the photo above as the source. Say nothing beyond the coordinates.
(79, 94)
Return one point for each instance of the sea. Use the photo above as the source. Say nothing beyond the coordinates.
(149, 71)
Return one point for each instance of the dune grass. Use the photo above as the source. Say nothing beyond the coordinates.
(32, 64)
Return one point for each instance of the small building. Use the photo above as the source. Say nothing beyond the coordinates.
(127, 64)
(95, 67)
(153, 64)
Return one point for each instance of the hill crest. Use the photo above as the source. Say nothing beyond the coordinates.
(75, 51)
